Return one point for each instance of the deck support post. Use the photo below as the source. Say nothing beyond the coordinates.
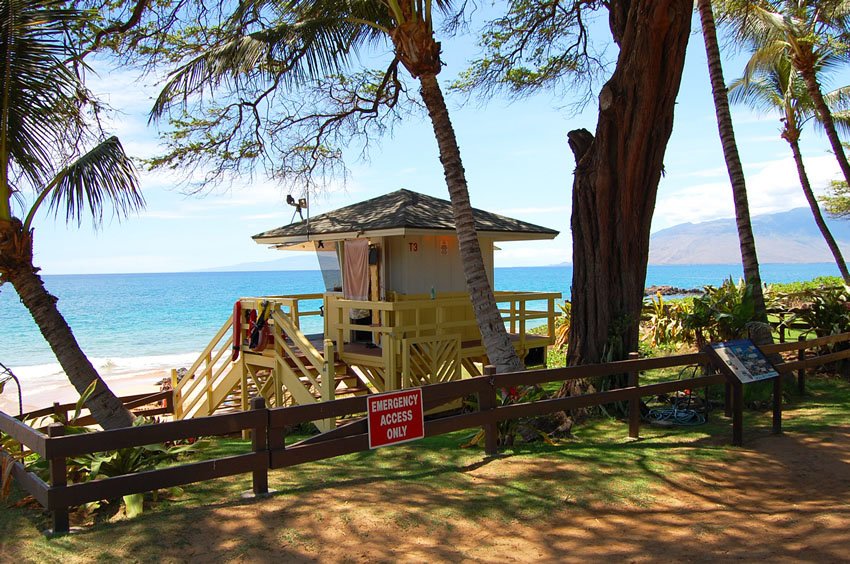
(634, 401)
(259, 440)
(329, 378)
(487, 403)
(58, 479)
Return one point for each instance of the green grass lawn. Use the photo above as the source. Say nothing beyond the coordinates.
(605, 467)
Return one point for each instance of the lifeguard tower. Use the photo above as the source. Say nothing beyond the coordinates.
(394, 314)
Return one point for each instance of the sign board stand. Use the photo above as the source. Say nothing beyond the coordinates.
(742, 362)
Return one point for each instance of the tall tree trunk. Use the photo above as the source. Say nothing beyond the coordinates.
(617, 174)
(812, 86)
(733, 161)
(17, 268)
(813, 204)
(495, 338)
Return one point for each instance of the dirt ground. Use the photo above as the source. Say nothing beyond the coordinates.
(783, 498)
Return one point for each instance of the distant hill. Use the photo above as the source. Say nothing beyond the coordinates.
(785, 237)
(293, 261)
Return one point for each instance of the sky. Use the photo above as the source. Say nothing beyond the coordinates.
(515, 154)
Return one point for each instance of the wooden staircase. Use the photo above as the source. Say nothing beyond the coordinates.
(290, 371)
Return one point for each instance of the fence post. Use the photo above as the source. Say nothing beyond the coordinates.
(634, 401)
(487, 402)
(777, 405)
(801, 373)
(782, 327)
(258, 442)
(176, 411)
(58, 479)
(737, 414)
(59, 412)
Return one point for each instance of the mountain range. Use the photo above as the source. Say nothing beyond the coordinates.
(784, 237)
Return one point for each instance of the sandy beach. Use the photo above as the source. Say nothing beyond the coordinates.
(43, 392)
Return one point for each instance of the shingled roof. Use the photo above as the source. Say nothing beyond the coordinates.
(404, 212)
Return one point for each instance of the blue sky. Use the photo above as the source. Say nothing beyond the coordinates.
(515, 155)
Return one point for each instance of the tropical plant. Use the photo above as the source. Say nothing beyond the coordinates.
(746, 240)
(562, 325)
(776, 85)
(299, 47)
(662, 323)
(42, 129)
(721, 313)
(508, 429)
(826, 312)
(130, 460)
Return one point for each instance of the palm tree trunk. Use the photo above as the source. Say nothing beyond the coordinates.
(493, 334)
(826, 119)
(106, 408)
(813, 204)
(733, 160)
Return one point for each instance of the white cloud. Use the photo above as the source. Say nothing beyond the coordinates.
(772, 186)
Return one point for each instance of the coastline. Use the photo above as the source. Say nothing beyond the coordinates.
(42, 385)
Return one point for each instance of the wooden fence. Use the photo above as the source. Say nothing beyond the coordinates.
(269, 426)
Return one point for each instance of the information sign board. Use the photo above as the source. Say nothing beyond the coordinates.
(743, 360)
(395, 417)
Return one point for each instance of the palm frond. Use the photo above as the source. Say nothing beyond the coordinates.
(103, 176)
(759, 93)
(39, 106)
(292, 53)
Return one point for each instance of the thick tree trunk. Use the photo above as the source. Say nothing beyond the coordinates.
(749, 257)
(106, 408)
(813, 204)
(493, 334)
(617, 175)
(825, 115)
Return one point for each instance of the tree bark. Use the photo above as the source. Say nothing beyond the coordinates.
(749, 258)
(809, 77)
(105, 407)
(495, 338)
(616, 178)
(813, 204)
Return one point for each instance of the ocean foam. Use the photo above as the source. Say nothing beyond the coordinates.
(44, 374)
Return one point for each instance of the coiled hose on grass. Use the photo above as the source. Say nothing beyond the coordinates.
(683, 411)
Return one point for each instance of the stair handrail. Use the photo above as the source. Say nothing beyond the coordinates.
(299, 339)
(188, 384)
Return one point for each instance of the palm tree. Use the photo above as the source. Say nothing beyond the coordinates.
(42, 120)
(310, 39)
(805, 31)
(733, 160)
(778, 86)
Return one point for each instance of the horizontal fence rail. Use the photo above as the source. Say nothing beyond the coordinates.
(269, 427)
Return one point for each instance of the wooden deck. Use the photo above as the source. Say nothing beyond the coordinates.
(420, 341)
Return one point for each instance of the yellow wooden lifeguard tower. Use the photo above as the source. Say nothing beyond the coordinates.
(395, 311)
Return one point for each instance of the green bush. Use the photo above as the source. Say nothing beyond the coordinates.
(721, 313)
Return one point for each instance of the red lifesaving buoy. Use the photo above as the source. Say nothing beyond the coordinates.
(237, 330)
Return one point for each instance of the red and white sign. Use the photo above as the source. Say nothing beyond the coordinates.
(395, 417)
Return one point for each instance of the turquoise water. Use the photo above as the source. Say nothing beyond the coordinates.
(140, 321)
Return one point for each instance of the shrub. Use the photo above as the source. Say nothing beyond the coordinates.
(721, 313)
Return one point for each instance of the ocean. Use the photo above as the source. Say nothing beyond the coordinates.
(131, 323)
